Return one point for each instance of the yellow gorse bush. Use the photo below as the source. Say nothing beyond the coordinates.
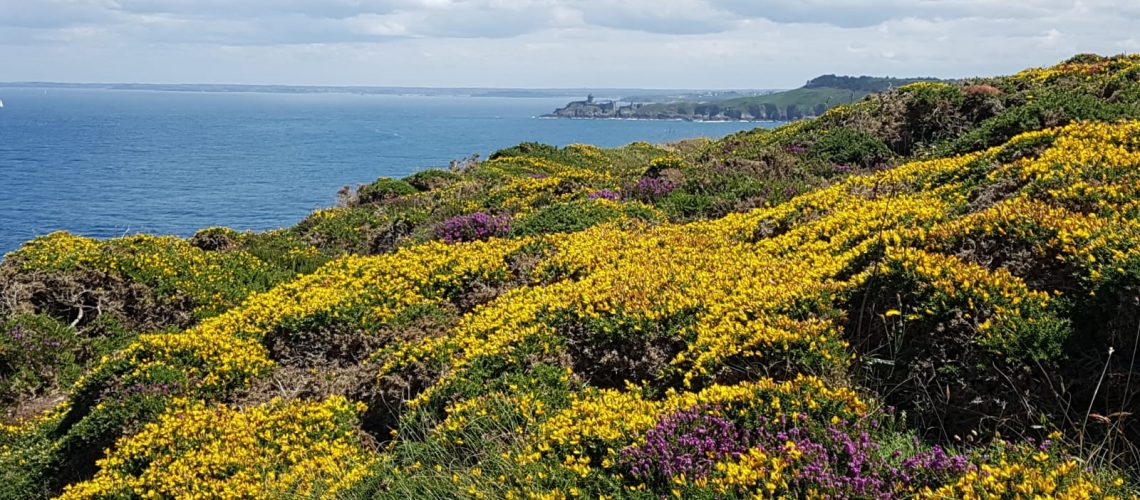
(227, 349)
(740, 275)
(297, 448)
(1100, 66)
(1024, 472)
(612, 415)
(212, 280)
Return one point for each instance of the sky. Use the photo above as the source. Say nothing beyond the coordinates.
(694, 44)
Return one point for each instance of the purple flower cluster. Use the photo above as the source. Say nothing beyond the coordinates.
(841, 459)
(472, 227)
(844, 460)
(33, 344)
(842, 169)
(651, 188)
(841, 464)
(688, 442)
(936, 460)
(605, 194)
(795, 149)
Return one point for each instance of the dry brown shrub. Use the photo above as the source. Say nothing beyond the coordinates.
(80, 297)
(982, 89)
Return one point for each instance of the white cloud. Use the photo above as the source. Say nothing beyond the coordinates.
(681, 17)
(658, 43)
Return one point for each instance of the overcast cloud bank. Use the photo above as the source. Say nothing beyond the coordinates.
(546, 43)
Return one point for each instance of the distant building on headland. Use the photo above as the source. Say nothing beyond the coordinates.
(591, 102)
(593, 108)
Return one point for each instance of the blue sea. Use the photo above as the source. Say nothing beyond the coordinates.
(106, 163)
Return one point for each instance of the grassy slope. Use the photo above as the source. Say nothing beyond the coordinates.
(964, 253)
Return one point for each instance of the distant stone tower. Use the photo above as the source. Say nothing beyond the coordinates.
(590, 99)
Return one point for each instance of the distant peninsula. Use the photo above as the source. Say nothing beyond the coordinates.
(813, 99)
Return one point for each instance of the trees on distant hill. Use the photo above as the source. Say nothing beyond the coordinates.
(862, 83)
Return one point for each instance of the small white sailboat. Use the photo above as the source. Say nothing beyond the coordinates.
(1, 103)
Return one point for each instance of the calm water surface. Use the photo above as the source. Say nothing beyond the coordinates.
(105, 163)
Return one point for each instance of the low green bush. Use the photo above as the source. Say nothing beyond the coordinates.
(680, 205)
(383, 189)
(430, 179)
(38, 354)
(567, 217)
(848, 146)
(1049, 108)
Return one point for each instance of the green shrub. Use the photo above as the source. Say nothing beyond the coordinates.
(565, 217)
(339, 230)
(659, 165)
(383, 189)
(581, 214)
(847, 146)
(284, 250)
(536, 149)
(43, 457)
(37, 354)
(26, 470)
(215, 238)
(933, 111)
(680, 205)
(627, 160)
(430, 179)
(520, 166)
(1049, 109)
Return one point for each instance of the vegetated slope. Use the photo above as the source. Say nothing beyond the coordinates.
(782, 312)
(867, 84)
(787, 105)
(795, 104)
(931, 119)
(813, 99)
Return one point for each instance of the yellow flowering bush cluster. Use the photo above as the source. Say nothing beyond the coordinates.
(282, 448)
(755, 471)
(1082, 66)
(213, 281)
(1019, 471)
(60, 250)
(949, 283)
(594, 423)
(765, 289)
(226, 351)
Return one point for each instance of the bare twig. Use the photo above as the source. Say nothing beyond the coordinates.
(1092, 400)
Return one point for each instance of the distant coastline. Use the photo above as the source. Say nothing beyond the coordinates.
(813, 99)
(550, 116)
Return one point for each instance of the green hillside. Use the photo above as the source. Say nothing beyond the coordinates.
(931, 292)
(793, 104)
(813, 99)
